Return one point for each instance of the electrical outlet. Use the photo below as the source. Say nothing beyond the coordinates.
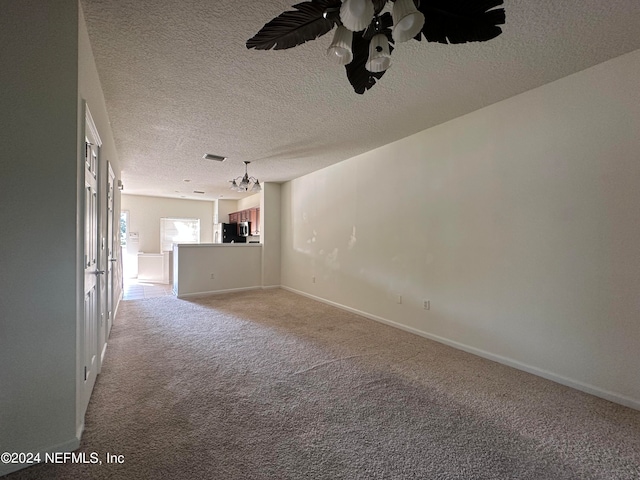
(399, 299)
(313, 279)
(213, 276)
(427, 304)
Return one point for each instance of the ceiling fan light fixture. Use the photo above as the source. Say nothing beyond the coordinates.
(448, 22)
(407, 20)
(356, 15)
(379, 55)
(339, 51)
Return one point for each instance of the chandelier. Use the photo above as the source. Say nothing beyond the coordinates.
(368, 30)
(246, 183)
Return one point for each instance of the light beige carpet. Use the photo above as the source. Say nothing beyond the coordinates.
(271, 385)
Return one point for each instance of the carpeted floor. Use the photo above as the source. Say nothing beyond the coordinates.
(271, 385)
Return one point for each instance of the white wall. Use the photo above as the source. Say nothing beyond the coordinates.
(40, 117)
(234, 267)
(225, 207)
(249, 202)
(90, 91)
(145, 214)
(270, 234)
(38, 281)
(519, 222)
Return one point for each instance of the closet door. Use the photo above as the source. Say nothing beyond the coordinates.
(90, 333)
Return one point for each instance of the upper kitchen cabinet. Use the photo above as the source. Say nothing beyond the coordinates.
(254, 218)
(249, 215)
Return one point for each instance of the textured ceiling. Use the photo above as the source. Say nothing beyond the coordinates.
(179, 82)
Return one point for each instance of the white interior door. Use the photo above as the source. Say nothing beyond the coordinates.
(92, 273)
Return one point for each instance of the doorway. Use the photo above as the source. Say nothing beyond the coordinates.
(90, 334)
(111, 254)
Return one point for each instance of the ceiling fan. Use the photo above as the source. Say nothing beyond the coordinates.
(368, 30)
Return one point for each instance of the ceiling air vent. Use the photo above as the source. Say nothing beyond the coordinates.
(198, 191)
(211, 156)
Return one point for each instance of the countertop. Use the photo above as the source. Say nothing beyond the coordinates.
(206, 245)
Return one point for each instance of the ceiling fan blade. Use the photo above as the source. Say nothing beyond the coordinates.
(295, 27)
(461, 21)
(360, 78)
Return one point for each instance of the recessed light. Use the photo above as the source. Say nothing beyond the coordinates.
(186, 180)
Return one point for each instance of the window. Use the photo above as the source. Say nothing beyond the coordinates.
(178, 230)
(124, 227)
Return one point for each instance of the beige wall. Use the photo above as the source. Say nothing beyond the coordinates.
(249, 202)
(225, 207)
(270, 234)
(145, 214)
(518, 222)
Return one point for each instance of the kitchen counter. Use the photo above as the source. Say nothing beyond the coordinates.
(207, 245)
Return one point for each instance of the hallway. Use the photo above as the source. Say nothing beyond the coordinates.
(137, 290)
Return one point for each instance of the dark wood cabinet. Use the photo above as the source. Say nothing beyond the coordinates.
(249, 215)
(254, 218)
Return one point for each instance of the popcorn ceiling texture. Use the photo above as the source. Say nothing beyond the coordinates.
(179, 82)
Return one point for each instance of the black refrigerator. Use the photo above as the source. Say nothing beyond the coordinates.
(230, 234)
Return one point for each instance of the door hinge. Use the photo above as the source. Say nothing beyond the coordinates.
(85, 373)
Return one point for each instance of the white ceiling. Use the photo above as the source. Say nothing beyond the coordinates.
(179, 82)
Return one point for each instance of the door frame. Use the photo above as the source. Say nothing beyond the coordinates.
(88, 334)
(111, 253)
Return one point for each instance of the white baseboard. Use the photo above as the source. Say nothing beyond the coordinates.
(584, 387)
(68, 446)
(115, 310)
(79, 432)
(103, 353)
(218, 292)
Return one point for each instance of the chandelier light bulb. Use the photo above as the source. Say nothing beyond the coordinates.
(379, 55)
(340, 49)
(356, 15)
(407, 20)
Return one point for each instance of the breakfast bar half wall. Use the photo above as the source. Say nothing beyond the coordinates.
(216, 268)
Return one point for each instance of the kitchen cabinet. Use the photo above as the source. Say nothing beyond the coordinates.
(249, 215)
(254, 218)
